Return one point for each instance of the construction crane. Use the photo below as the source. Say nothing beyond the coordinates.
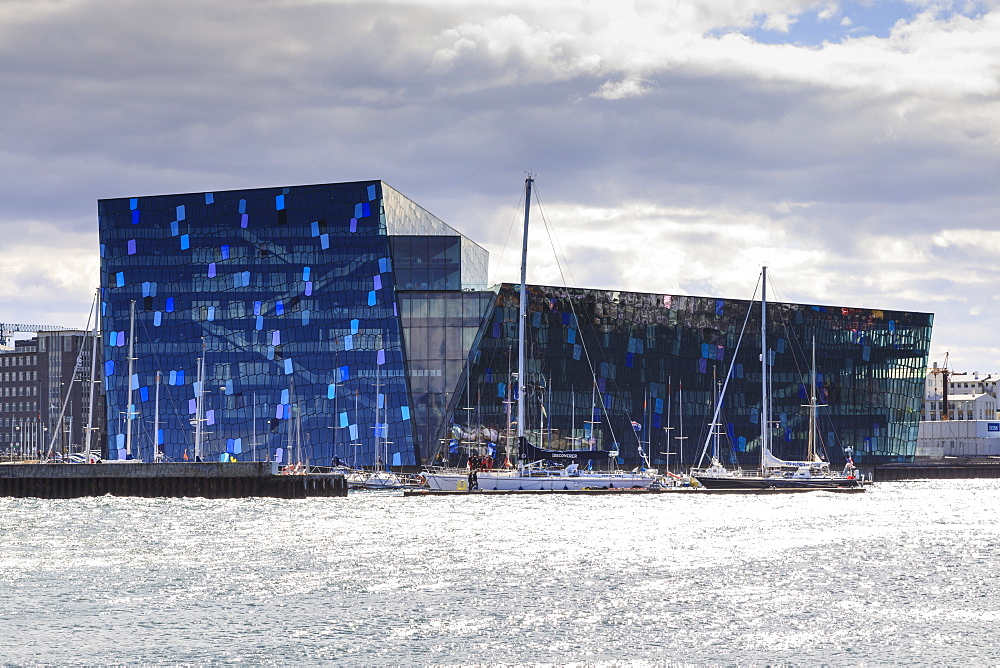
(7, 331)
(945, 375)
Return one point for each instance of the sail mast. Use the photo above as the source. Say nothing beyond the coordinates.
(131, 366)
(93, 373)
(522, 313)
(765, 407)
(811, 453)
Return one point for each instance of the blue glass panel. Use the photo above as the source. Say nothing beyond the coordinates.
(246, 278)
(305, 273)
(355, 324)
(180, 376)
(383, 265)
(309, 288)
(276, 341)
(172, 378)
(243, 206)
(371, 192)
(185, 242)
(211, 270)
(256, 308)
(345, 373)
(210, 417)
(259, 323)
(225, 251)
(131, 247)
(180, 212)
(209, 198)
(169, 308)
(405, 412)
(144, 393)
(284, 396)
(324, 241)
(109, 368)
(344, 420)
(305, 317)
(353, 429)
(175, 229)
(157, 319)
(120, 279)
(348, 342)
(380, 357)
(331, 391)
(192, 406)
(372, 298)
(288, 367)
(133, 203)
(135, 217)
(377, 282)
(244, 221)
(279, 307)
(279, 202)
(314, 228)
(211, 313)
(354, 225)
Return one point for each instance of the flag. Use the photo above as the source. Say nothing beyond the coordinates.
(636, 426)
(185, 455)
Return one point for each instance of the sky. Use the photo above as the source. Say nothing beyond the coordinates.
(677, 145)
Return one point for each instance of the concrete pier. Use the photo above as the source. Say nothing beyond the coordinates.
(937, 469)
(211, 480)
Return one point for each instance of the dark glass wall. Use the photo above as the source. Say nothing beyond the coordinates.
(288, 293)
(440, 329)
(625, 371)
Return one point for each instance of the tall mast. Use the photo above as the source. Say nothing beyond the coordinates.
(93, 373)
(199, 403)
(156, 420)
(131, 369)
(765, 405)
(522, 312)
(813, 406)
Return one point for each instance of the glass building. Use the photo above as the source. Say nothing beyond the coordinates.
(640, 373)
(344, 322)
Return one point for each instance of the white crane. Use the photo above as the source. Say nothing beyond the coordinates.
(7, 331)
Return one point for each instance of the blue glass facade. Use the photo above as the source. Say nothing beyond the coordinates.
(624, 371)
(343, 321)
(289, 295)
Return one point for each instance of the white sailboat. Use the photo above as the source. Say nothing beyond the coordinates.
(813, 473)
(534, 473)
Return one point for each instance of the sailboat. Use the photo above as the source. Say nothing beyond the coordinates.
(775, 473)
(535, 473)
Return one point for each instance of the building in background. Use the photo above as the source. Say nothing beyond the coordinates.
(962, 422)
(344, 322)
(45, 395)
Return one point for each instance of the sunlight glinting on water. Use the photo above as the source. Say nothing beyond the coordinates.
(905, 570)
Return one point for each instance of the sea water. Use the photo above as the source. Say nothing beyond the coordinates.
(905, 573)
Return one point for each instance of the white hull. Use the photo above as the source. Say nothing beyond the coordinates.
(539, 482)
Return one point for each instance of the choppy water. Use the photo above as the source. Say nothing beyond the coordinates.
(903, 574)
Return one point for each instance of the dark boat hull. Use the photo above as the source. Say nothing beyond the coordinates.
(749, 482)
(757, 482)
